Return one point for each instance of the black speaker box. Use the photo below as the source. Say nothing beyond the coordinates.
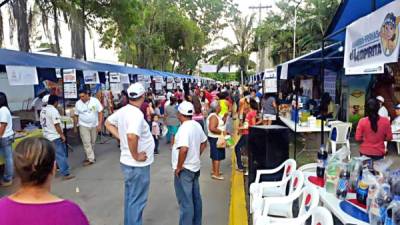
(268, 147)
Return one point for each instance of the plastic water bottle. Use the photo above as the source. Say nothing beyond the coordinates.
(321, 163)
(377, 208)
(392, 212)
(343, 185)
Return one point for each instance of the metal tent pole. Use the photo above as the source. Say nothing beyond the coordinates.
(65, 113)
(296, 118)
(322, 90)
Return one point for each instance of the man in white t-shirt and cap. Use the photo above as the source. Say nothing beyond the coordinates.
(50, 121)
(137, 152)
(382, 110)
(190, 143)
(89, 117)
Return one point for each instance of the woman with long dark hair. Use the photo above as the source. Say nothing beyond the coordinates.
(372, 131)
(198, 113)
(6, 140)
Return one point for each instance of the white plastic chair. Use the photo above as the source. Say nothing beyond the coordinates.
(285, 209)
(310, 167)
(319, 216)
(279, 187)
(310, 200)
(342, 135)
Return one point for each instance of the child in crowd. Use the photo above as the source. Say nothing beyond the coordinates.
(155, 131)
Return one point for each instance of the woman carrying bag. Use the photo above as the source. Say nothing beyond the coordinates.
(216, 130)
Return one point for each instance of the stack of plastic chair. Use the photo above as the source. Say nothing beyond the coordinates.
(278, 188)
(309, 201)
(279, 209)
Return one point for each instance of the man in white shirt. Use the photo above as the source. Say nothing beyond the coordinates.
(382, 110)
(89, 117)
(37, 105)
(190, 143)
(51, 126)
(137, 152)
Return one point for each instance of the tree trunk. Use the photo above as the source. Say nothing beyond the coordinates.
(83, 29)
(56, 29)
(76, 34)
(19, 8)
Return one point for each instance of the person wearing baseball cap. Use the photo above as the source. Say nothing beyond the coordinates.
(45, 100)
(382, 110)
(137, 152)
(190, 143)
(396, 121)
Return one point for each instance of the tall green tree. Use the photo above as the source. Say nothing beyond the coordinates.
(276, 31)
(237, 52)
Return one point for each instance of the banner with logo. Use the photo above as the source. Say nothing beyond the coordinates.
(373, 40)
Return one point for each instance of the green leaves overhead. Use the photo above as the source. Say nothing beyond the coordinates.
(276, 31)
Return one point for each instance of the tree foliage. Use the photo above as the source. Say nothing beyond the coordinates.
(237, 52)
(276, 31)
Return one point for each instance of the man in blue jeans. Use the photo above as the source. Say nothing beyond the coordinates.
(137, 152)
(50, 120)
(190, 143)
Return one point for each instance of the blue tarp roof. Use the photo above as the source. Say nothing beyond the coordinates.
(18, 58)
(350, 11)
(310, 64)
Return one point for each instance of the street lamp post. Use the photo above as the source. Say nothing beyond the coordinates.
(294, 28)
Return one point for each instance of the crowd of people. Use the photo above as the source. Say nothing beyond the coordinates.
(189, 120)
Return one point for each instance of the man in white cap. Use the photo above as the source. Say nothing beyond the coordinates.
(190, 143)
(45, 100)
(137, 152)
(382, 110)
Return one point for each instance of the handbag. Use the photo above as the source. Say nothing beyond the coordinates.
(221, 142)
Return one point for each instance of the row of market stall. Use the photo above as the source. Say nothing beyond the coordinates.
(358, 60)
(26, 77)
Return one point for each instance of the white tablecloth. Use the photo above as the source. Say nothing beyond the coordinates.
(301, 129)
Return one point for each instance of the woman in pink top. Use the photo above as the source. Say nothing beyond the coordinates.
(33, 204)
(372, 131)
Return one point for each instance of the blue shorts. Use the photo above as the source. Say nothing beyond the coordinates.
(216, 153)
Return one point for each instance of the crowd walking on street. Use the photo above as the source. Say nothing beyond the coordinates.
(189, 120)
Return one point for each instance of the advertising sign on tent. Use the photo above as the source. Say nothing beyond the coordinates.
(22, 75)
(69, 76)
(114, 78)
(373, 40)
(270, 81)
(124, 79)
(91, 77)
(70, 91)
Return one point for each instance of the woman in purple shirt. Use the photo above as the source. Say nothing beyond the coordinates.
(33, 204)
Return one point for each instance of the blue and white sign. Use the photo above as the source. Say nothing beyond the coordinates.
(373, 40)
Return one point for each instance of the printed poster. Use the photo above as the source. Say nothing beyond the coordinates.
(124, 79)
(22, 75)
(69, 76)
(91, 77)
(115, 78)
(70, 91)
(373, 40)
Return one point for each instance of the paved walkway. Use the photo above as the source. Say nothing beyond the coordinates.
(98, 189)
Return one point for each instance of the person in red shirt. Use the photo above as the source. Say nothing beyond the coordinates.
(372, 131)
(251, 120)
